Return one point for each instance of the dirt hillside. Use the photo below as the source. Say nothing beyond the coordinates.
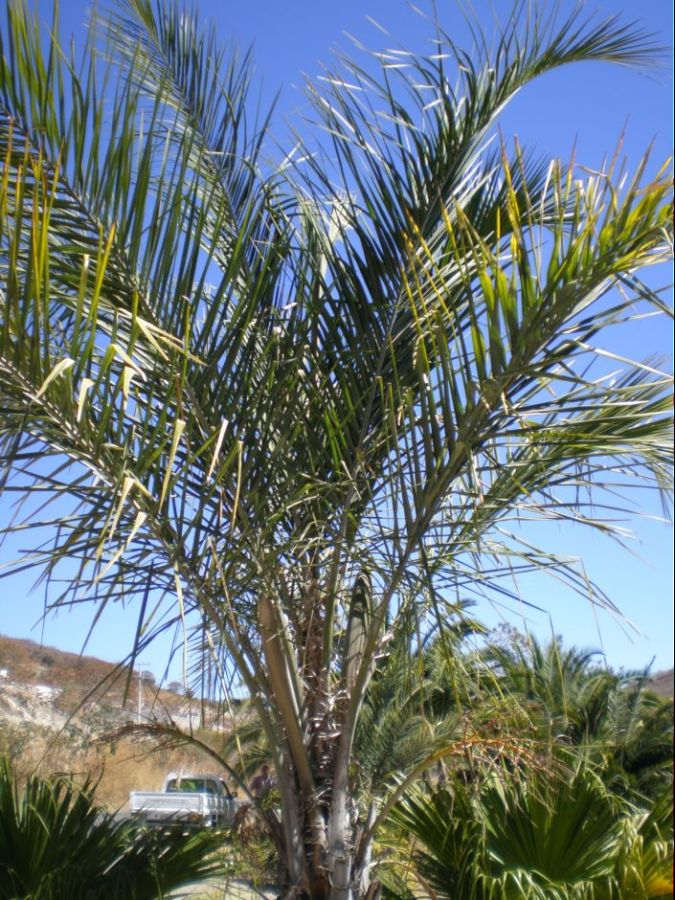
(61, 712)
(663, 683)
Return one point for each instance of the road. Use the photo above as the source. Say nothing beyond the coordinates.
(217, 889)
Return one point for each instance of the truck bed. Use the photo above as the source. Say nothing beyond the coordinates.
(156, 806)
(197, 799)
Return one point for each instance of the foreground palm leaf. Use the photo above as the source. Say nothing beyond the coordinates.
(537, 836)
(55, 842)
(289, 408)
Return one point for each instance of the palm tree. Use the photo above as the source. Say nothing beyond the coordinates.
(636, 738)
(290, 403)
(614, 716)
(563, 683)
(55, 842)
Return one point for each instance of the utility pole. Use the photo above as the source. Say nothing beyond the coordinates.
(140, 692)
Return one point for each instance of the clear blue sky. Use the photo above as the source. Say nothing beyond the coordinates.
(590, 105)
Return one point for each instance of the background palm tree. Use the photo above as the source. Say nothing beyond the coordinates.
(613, 716)
(292, 402)
(636, 738)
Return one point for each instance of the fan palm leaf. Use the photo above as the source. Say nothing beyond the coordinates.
(55, 842)
(541, 835)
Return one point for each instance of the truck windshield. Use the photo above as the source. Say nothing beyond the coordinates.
(191, 786)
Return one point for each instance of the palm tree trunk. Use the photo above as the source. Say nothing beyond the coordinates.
(340, 856)
(364, 854)
(292, 852)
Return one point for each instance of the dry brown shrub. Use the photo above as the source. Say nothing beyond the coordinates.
(118, 767)
(132, 764)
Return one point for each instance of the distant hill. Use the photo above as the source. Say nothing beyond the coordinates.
(663, 683)
(27, 662)
(76, 679)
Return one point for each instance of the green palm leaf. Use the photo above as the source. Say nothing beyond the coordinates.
(538, 835)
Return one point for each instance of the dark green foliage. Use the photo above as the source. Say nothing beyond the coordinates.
(556, 834)
(614, 717)
(553, 830)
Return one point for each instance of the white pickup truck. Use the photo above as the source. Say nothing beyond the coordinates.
(196, 800)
